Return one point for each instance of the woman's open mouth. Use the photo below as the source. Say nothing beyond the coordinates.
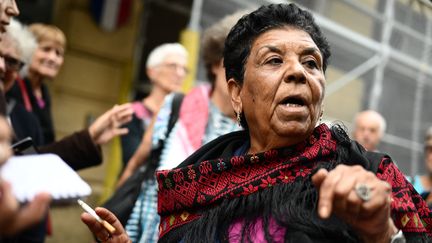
(294, 101)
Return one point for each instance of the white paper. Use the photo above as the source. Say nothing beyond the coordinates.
(31, 174)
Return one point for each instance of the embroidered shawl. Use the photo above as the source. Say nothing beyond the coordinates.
(212, 175)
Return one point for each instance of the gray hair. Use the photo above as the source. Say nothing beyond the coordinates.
(158, 54)
(26, 42)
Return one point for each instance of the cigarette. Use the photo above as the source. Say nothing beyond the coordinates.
(89, 210)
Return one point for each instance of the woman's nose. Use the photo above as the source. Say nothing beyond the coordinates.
(295, 72)
(12, 8)
(52, 55)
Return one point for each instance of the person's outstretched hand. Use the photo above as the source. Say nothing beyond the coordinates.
(108, 125)
(370, 217)
(119, 236)
(13, 218)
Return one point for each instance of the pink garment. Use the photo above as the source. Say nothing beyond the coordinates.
(140, 110)
(41, 102)
(257, 232)
(189, 131)
(194, 114)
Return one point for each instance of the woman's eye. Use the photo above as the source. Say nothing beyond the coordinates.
(274, 61)
(311, 64)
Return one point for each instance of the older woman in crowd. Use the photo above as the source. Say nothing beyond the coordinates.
(47, 59)
(81, 149)
(166, 69)
(204, 114)
(286, 178)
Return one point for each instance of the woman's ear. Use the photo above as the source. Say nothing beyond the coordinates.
(234, 90)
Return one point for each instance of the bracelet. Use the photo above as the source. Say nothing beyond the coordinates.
(398, 237)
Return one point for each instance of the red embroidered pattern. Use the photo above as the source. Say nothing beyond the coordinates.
(409, 211)
(211, 181)
(201, 185)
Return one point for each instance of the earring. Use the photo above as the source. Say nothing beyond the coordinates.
(321, 116)
(238, 119)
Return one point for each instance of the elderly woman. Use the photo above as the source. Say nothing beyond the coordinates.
(286, 178)
(166, 69)
(45, 65)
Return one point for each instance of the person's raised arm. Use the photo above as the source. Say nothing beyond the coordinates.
(108, 125)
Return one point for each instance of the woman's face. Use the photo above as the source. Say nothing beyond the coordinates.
(170, 74)
(47, 59)
(283, 88)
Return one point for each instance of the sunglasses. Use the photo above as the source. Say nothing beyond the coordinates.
(13, 63)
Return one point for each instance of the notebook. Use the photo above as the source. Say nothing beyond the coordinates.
(30, 174)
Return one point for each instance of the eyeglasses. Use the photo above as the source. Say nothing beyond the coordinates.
(13, 63)
(175, 67)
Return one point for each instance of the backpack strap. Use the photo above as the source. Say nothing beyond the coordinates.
(175, 111)
(24, 94)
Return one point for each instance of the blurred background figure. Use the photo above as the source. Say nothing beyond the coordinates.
(166, 70)
(423, 183)
(32, 91)
(79, 150)
(203, 114)
(369, 128)
(17, 47)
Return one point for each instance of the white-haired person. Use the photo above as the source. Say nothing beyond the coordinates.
(166, 70)
(369, 128)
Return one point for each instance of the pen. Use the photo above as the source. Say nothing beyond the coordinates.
(89, 210)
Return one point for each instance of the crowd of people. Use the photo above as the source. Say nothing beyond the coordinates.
(242, 158)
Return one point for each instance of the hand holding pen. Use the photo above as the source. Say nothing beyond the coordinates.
(118, 235)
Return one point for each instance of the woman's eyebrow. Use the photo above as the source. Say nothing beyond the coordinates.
(271, 48)
(311, 51)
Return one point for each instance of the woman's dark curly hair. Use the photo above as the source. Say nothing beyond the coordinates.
(239, 41)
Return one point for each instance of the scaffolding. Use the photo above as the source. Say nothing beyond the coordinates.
(391, 59)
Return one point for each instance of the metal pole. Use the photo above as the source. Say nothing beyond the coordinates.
(379, 72)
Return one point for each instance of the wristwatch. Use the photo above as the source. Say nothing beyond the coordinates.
(398, 238)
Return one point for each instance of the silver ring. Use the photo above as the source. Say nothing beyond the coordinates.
(363, 191)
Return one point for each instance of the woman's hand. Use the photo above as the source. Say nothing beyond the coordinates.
(13, 218)
(119, 236)
(370, 217)
(108, 125)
